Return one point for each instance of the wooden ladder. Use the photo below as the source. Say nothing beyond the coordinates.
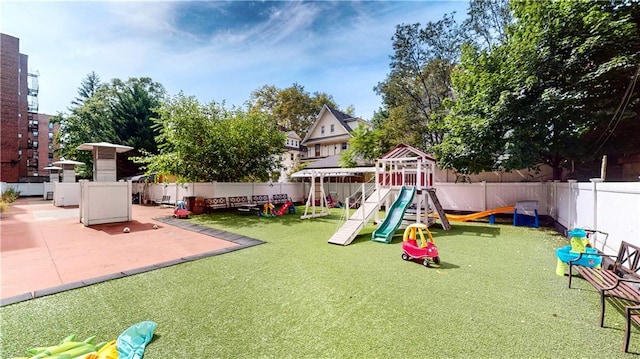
(436, 202)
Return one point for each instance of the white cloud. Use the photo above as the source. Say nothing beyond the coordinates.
(67, 40)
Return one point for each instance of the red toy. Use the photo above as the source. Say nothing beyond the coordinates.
(181, 210)
(425, 250)
(286, 207)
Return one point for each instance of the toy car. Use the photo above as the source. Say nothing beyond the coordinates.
(181, 210)
(425, 250)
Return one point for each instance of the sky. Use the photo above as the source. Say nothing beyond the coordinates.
(215, 50)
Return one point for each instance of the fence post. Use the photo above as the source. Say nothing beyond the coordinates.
(484, 195)
(594, 183)
(363, 201)
(572, 204)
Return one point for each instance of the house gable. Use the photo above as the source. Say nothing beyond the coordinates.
(330, 124)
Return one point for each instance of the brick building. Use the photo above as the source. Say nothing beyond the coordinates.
(26, 136)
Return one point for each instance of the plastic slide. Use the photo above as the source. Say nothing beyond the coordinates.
(385, 231)
(472, 216)
(284, 208)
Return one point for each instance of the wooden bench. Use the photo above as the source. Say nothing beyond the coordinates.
(619, 281)
(238, 201)
(165, 201)
(242, 204)
(280, 198)
(214, 203)
(260, 199)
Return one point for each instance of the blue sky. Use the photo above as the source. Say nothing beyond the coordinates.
(216, 50)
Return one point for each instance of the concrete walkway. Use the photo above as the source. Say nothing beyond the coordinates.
(45, 249)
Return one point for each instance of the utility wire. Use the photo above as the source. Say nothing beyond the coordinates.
(617, 116)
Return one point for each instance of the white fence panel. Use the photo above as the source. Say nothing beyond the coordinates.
(221, 189)
(618, 213)
(461, 196)
(563, 204)
(582, 205)
(507, 194)
(25, 189)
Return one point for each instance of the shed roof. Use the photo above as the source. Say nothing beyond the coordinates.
(91, 145)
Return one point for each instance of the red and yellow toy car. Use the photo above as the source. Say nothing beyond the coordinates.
(181, 210)
(424, 250)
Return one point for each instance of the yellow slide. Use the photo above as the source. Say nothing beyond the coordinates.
(472, 216)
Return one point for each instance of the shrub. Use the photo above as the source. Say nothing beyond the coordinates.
(3, 206)
(9, 195)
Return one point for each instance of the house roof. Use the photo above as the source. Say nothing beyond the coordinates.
(342, 118)
(333, 162)
(293, 135)
(333, 172)
(406, 151)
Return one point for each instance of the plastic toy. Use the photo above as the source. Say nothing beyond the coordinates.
(268, 210)
(579, 252)
(181, 210)
(425, 250)
(287, 207)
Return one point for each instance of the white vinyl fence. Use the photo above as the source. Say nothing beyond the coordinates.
(177, 191)
(611, 207)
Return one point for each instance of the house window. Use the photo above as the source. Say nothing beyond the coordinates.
(317, 151)
(50, 155)
(50, 136)
(332, 128)
(291, 156)
(322, 130)
(344, 146)
(50, 125)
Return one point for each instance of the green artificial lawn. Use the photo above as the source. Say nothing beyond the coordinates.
(495, 294)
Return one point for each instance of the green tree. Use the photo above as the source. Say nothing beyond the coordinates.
(118, 112)
(88, 122)
(364, 144)
(211, 143)
(88, 87)
(416, 90)
(551, 93)
(292, 107)
(487, 22)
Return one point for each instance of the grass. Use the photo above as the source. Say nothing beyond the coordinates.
(495, 295)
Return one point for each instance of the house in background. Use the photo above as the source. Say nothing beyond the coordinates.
(291, 157)
(330, 133)
(327, 137)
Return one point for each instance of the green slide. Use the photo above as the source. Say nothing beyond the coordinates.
(385, 231)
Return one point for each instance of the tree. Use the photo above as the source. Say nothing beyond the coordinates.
(416, 90)
(211, 143)
(292, 107)
(487, 23)
(118, 112)
(365, 144)
(88, 122)
(88, 87)
(542, 96)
